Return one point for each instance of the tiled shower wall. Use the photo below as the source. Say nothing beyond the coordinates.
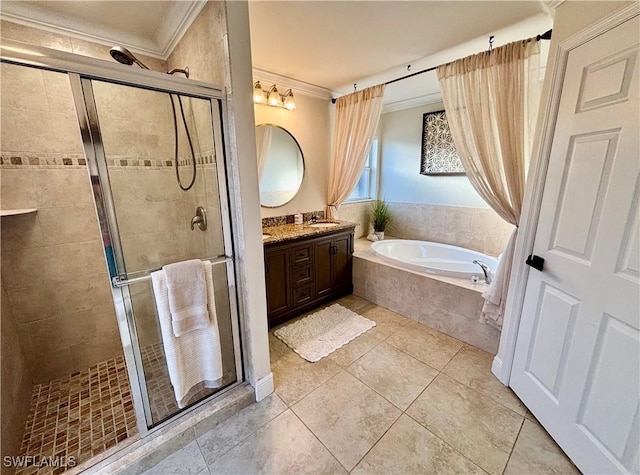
(55, 273)
(57, 252)
(154, 214)
(57, 306)
(53, 268)
(203, 46)
(15, 387)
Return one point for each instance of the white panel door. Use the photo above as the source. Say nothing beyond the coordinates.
(577, 358)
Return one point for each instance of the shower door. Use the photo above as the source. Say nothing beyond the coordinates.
(158, 172)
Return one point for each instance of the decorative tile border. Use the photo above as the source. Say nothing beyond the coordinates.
(13, 160)
(289, 218)
(137, 162)
(16, 160)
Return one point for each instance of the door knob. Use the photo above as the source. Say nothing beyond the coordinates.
(536, 262)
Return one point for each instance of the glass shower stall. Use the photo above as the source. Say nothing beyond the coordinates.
(153, 154)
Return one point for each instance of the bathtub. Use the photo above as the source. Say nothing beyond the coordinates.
(433, 257)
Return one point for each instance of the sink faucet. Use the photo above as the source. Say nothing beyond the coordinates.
(488, 276)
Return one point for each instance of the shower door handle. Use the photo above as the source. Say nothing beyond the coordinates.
(200, 219)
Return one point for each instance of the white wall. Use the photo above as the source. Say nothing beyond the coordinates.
(309, 124)
(400, 179)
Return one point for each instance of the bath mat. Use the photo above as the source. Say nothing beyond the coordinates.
(323, 332)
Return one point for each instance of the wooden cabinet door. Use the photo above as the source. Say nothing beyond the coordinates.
(278, 282)
(323, 250)
(341, 262)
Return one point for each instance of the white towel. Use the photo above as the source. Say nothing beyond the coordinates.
(187, 296)
(194, 359)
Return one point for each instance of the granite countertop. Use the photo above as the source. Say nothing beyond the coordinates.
(287, 232)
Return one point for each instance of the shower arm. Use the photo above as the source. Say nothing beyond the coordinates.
(124, 56)
(184, 71)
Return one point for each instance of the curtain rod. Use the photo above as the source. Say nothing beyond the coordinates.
(544, 36)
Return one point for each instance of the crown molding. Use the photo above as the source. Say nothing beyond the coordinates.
(146, 47)
(298, 87)
(177, 22)
(549, 6)
(413, 102)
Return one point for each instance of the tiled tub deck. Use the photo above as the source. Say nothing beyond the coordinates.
(447, 304)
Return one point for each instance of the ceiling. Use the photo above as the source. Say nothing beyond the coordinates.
(327, 44)
(335, 43)
(149, 27)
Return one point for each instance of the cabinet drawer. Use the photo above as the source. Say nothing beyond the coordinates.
(302, 255)
(302, 276)
(302, 295)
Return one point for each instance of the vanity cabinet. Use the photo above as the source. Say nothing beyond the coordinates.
(277, 277)
(304, 273)
(333, 267)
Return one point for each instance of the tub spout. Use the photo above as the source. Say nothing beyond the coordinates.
(488, 276)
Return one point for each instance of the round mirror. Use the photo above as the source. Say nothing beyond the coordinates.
(280, 165)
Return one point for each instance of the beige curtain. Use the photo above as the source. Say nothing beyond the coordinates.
(491, 100)
(263, 142)
(356, 120)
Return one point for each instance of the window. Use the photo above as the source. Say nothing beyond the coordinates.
(367, 186)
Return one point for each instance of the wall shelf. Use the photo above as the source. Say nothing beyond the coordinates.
(16, 212)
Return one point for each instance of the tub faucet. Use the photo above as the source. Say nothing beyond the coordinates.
(488, 276)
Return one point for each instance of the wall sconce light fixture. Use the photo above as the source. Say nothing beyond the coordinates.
(273, 98)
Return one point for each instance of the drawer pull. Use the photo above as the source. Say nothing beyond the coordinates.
(303, 275)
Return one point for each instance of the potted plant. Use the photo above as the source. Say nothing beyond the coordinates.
(380, 218)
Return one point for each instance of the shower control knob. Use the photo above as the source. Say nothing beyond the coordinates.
(199, 219)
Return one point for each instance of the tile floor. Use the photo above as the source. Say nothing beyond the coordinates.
(86, 413)
(79, 416)
(162, 399)
(400, 399)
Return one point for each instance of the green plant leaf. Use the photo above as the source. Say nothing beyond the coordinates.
(380, 216)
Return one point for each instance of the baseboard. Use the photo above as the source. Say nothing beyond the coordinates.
(264, 387)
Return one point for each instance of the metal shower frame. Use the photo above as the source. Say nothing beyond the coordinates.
(82, 71)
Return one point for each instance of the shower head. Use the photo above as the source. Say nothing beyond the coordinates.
(124, 56)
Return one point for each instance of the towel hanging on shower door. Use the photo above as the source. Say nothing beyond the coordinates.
(194, 359)
(187, 296)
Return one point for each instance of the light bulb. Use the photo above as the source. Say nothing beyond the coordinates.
(289, 101)
(258, 93)
(274, 98)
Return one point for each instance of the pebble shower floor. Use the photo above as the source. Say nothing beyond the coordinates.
(79, 416)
